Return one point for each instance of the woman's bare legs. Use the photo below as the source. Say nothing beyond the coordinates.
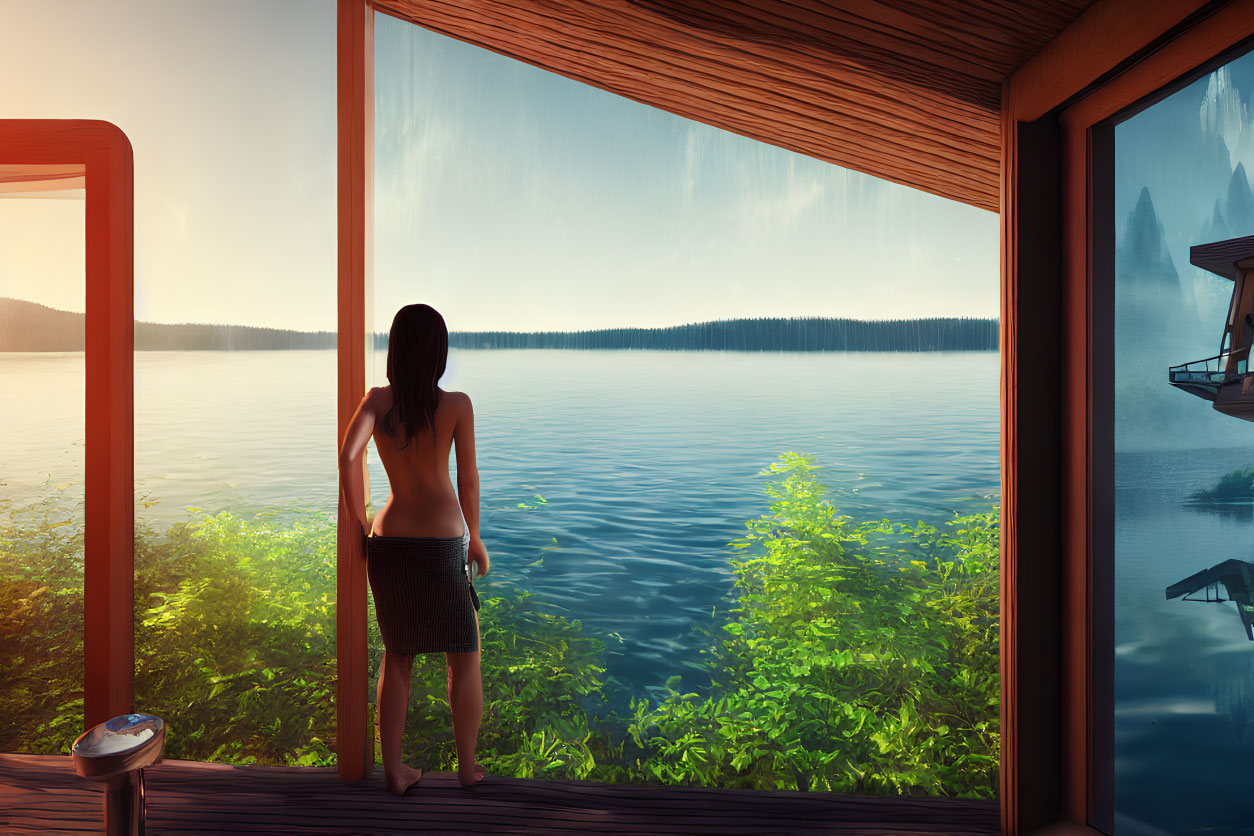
(391, 699)
(465, 700)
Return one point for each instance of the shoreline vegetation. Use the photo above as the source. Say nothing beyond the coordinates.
(31, 327)
(1234, 486)
(856, 656)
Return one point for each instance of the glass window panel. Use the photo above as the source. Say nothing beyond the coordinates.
(235, 373)
(685, 525)
(42, 384)
(1183, 502)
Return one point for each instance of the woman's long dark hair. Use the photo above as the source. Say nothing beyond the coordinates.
(417, 355)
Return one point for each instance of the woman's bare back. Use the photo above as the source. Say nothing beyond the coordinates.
(422, 502)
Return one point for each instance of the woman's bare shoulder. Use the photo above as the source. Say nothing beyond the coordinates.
(456, 398)
(379, 399)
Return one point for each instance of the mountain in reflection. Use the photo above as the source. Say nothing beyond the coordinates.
(1233, 216)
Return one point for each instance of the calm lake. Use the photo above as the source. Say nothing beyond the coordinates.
(1184, 671)
(647, 461)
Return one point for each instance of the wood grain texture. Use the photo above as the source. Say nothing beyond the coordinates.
(1198, 47)
(109, 474)
(907, 90)
(355, 82)
(1007, 643)
(1106, 34)
(41, 794)
(1221, 257)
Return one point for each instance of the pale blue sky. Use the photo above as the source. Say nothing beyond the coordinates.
(506, 196)
(512, 198)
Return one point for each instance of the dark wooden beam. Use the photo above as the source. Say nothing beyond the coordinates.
(1031, 476)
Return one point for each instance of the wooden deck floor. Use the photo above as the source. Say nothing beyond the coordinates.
(41, 794)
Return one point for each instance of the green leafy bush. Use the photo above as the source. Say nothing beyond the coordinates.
(41, 625)
(543, 686)
(856, 661)
(860, 657)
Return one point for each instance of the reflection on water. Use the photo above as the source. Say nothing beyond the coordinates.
(1184, 672)
(1239, 511)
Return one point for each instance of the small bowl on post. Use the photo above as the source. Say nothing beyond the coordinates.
(115, 753)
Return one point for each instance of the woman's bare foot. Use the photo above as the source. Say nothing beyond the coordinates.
(476, 775)
(400, 782)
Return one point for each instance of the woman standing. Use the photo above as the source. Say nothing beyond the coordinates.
(421, 545)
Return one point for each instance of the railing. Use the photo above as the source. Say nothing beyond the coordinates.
(1212, 371)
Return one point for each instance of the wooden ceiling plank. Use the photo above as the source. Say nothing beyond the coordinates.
(862, 59)
(945, 35)
(900, 89)
(1018, 28)
(853, 26)
(952, 180)
(690, 43)
(841, 104)
(824, 64)
(877, 117)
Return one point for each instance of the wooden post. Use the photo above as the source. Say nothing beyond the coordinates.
(355, 94)
(1030, 484)
(109, 538)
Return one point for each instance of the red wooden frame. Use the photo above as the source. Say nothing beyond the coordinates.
(109, 537)
(1088, 290)
(1145, 50)
(355, 95)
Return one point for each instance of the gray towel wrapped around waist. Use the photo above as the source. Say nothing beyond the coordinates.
(423, 596)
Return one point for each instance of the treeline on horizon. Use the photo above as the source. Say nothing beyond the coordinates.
(29, 326)
(764, 334)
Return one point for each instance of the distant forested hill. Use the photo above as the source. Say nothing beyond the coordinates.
(27, 326)
(794, 334)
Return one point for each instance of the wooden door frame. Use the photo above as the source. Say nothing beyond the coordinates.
(1088, 232)
(1057, 330)
(109, 475)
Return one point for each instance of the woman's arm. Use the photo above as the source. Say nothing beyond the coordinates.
(468, 480)
(353, 457)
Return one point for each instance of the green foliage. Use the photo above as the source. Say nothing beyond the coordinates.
(543, 682)
(860, 656)
(235, 637)
(856, 661)
(1238, 484)
(41, 625)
